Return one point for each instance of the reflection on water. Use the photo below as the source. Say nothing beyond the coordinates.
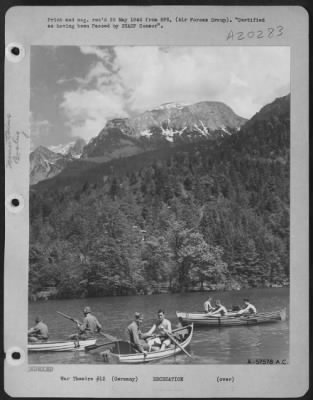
(225, 345)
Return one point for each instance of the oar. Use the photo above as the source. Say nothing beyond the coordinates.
(106, 335)
(110, 337)
(68, 317)
(96, 346)
(175, 341)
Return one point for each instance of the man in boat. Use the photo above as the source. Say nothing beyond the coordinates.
(89, 327)
(160, 327)
(248, 309)
(39, 332)
(136, 337)
(207, 305)
(220, 310)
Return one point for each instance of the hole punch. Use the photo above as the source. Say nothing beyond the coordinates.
(15, 52)
(14, 203)
(15, 356)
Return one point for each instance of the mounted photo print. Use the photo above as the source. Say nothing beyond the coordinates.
(156, 201)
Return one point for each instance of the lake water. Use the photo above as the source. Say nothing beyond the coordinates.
(225, 345)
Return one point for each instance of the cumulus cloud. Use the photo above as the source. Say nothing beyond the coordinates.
(127, 80)
(87, 111)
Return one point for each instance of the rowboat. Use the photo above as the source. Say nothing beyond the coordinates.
(61, 345)
(232, 319)
(123, 352)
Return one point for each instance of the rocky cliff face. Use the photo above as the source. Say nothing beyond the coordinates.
(74, 148)
(45, 164)
(171, 123)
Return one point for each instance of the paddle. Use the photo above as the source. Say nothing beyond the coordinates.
(68, 317)
(110, 337)
(175, 341)
(106, 335)
(96, 346)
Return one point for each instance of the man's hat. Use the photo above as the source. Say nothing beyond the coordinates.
(38, 319)
(138, 315)
(87, 310)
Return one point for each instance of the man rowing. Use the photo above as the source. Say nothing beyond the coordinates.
(248, 309)
(136, 337)
(207, 305)
(89, 327)
(160, 327)
(220, 310)
(39, 332)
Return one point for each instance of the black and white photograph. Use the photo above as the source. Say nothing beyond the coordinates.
(156, 202)
(159, 204)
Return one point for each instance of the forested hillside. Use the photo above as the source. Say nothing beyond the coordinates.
(203, 215)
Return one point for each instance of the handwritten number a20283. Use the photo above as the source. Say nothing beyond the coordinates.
(270, 33)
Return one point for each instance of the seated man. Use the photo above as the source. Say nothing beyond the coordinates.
(248, 309)
(208, 306)
(220, 310)
(161, 326)
(39, 331)
(89, 327)
(136, 338)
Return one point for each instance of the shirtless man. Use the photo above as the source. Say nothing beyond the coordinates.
(220, 310)
(160, 327)
(207, 305)
(248, 309)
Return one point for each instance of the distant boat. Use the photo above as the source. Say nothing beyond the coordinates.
(123, 352)
(232, 319)
(61, 345)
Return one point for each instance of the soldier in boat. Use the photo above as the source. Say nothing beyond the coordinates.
(248, 308)
(207, 305)
(39, 332)
(136, 337)
(220, 310)
(160, 327)
(89, 327)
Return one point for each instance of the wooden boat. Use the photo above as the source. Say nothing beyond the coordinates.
(231, 319)
(61, 345)
(123, 352)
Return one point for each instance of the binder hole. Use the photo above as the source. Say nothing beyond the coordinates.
(15, 51)
(16, 355)
(15, 202)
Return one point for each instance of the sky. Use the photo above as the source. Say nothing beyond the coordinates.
(76, 90)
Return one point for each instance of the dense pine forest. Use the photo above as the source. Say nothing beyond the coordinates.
(213, 214)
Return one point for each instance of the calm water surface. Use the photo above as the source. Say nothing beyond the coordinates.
(226, 345)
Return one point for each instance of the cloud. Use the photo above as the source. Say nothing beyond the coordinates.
(129, 79)
(244, 78)
(87, 111)
(39, 129)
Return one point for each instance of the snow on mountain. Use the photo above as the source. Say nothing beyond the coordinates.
(167, 106)
(45, 164)
(73, 148)
(167, 123)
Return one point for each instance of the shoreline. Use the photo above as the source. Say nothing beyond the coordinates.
(159, 293)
